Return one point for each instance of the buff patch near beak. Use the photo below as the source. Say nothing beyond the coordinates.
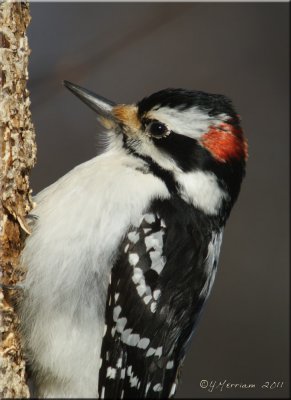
(127, 116)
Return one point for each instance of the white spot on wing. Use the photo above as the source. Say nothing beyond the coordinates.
(129, 370)
(133, 381)
(153, 307)
(156, 294)
(147, 299)
(111, 373)
(149, 218)
(133, 259)
(155, 241)
(173, 389)
(116, 312)
(158, 262)
(158, 352)
(139, 280)
(120, 324)
(125, 334)
(169, 365)
(137, 275)
(141, 289)
(133, 237)
(157, 387)
(143, 343)
(133, 339)
(148, 386)
(150, 352)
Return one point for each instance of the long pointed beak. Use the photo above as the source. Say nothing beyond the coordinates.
(99, 104)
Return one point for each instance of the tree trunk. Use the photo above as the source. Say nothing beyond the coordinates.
(18, 151)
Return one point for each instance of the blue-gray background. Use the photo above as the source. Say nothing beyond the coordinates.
(126, 51)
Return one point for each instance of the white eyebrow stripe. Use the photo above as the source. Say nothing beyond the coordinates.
(192, 122)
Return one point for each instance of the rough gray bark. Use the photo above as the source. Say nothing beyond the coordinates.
(18, 152)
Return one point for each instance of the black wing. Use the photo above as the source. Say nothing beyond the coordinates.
(159, 283)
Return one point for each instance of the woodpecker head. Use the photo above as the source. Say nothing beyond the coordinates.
(180, 130)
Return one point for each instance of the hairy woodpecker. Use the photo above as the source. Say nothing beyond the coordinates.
(124, 247)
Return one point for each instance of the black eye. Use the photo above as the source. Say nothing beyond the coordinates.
(157, 129)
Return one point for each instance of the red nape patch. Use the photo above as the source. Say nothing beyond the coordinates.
(225, 141)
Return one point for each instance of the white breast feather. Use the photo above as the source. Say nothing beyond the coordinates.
(81, 220)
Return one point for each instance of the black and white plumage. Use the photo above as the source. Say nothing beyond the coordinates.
(124, 251)
(154, 299)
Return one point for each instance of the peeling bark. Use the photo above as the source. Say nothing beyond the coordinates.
(18, 151)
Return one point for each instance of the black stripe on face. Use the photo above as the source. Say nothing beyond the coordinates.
(166, 176)
(186, 152)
